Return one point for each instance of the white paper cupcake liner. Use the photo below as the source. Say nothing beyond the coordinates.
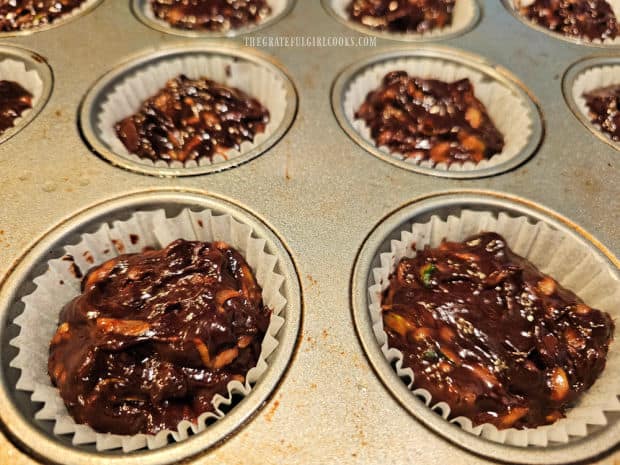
(554, 253)
(126, 98)
(464, 16)
(278, 8)
(58, 285)
(508, 111)
(615, 6)
(590, 79)
(15, 70)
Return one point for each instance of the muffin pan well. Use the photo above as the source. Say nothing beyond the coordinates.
(320, 194)
(579, 264)
(120, 93)
(82, 10)
(48, 438)
(508, 104)
(143, 11)
(33, 73)
(465, 17)
(587, 75)
(511, 6)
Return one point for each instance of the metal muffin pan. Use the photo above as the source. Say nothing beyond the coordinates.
(321, 194)
(510, 6)
(328, 5)
(567, 87)
(139, 8)
(35, 62)
(451, 56)
(86, 8)
(443, 205)
(38, 435)
(97, 95)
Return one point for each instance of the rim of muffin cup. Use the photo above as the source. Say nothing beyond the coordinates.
(511, 7)
(494, 86)
(586, 75)
(432, 211)
(41, 436)
(468, 18)
(143, 12)
(87, 7)
(120, 92)
(33, 73)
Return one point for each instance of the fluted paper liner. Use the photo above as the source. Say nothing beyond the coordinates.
(15, 70)
(125, 99)
(464, 15)
(507, 109)
(278, 7)
(590, 79)
(555, 253)
(38, 322)
(615, 6)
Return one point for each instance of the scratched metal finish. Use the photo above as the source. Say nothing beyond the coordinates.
(322, 194)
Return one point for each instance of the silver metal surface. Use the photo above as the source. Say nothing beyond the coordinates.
(98, 95)
(321, 194)
(16, 405)
(510, 6)
(378, 242)
(567, 86)
(139, 9)
(449, 55)
(35, 62)
(327, 4)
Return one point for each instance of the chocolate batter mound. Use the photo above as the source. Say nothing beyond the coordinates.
(192, 118)
(211, 15)
(427, 119)
(17, 15)
(486, 332)
(14, 100)
(603, 106)
(402, 15)
(154, 336)
(590, 19)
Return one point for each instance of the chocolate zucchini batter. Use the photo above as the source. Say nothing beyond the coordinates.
(211, 15)
(155, 336)
(19, 15)
(192, 118)
(486, 332)
(603, 106)
(589, 19)
(14, 100)
(428, 119)
(402, 15)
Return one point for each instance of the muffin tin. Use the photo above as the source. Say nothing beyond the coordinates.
(316, 195)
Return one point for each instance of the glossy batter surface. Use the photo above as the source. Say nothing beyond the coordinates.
(402, 15)
(155, 336)
(428, 119)
(14, 100)
(590, 19)
(485, 331)
(18, 15)
(211, 15)
(192, 118)
(603, 106)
